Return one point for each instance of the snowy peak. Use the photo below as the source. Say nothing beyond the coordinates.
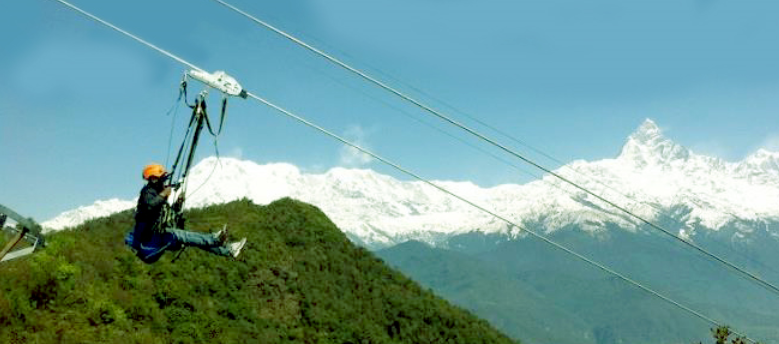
(379, 210)
(648, 146)
(763, 160)
(78, 216)
(647, 133)
(763, 166)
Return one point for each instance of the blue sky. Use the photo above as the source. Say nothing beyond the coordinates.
(82, 108)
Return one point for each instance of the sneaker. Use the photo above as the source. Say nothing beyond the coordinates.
(221, 235)
(235, 248)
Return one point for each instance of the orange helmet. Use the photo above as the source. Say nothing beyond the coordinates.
(153, 170)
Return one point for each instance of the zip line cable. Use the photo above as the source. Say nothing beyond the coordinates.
(548, 182)
(427, 182)
(483, 209)
(549, 156)
(461, 140)
(498, 131)
(437, 113)
(403, 112)
(538, 150)
(140, 40)
(432, 126)
(451, 121)
(660, 210)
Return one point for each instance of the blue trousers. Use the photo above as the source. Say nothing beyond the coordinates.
(175, 239)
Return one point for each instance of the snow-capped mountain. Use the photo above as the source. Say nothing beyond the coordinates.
(650, 176)
(79, 215)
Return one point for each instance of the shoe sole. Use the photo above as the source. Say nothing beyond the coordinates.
(240, 247)
(221, 236)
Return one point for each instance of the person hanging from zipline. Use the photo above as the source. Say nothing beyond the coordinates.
(154, 232)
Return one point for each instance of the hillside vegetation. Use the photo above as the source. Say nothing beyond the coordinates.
(531, 291)
(298, 280)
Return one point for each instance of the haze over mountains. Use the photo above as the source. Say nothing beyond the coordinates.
(657, 176)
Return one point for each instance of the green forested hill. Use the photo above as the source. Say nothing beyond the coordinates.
(299, 280)
(534, 292)
(490, 291)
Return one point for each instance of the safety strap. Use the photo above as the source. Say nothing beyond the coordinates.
(183, 90)
(221, 119)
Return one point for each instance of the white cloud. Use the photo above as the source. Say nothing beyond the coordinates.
(350, 156)
(235, 152)
(315, 169)
(713, 149)
(771, 143)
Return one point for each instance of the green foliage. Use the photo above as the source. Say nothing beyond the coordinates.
(529, 290)
(722, 334)
(298, 280)
(488, 291)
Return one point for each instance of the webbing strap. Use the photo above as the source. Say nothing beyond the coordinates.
(221, 119)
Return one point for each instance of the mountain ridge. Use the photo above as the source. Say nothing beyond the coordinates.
(381, 211)
(297, 280)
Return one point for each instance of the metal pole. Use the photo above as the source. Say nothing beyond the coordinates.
(13, 242)
(201, 117)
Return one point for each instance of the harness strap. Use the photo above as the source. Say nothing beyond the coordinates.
(222, 116)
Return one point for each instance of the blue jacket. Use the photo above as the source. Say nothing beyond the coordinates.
(149, 245)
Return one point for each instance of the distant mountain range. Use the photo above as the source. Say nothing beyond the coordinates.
(532, 291)
(659, 177)
(526, 288)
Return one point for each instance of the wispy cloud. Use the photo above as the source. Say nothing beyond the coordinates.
(771, 143)
(350, 156)
(713, 149)
(314, 169)
(235, 152)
